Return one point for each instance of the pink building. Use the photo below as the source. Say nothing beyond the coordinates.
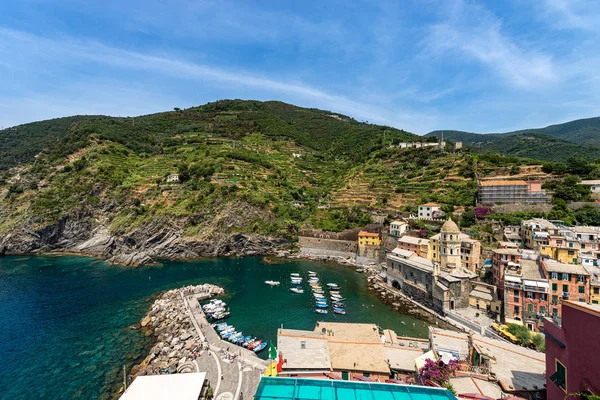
(572, 352)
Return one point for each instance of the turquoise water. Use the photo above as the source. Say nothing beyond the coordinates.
(65, 321)
(318, 389)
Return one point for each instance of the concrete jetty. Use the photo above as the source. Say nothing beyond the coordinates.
(186, 342)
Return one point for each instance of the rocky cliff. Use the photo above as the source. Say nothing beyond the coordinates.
(160, 239)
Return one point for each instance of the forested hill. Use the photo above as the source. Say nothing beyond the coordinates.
(552, 143)
(333, 135)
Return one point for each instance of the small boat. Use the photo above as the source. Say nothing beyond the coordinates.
(295, 274)
(296, 281)
(331, 284)
(339, 304)
(272, 283)
(321, 305)
(260, 347)
(254, 344)
(339, 311)
(320, 311)
(312, 273)
(297, 290)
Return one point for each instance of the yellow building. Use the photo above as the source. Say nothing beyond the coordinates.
(567, 255)
(368, 239)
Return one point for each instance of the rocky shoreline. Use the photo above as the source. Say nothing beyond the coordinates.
(404, 305)
(176, 341)
(142, 246)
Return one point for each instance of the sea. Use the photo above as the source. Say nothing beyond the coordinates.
(66, 322)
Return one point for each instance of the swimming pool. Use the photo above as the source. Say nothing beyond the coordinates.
(320, 389)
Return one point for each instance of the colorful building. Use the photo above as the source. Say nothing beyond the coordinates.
(568, 282)
(368, 239)
(572, 350)
(526, 295)
(470, 250)
(502, 259)
(419, 246)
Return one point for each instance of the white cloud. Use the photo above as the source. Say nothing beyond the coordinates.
(67, 52)
(470, 30)
(573, 14)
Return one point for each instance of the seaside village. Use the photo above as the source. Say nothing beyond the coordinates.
(514, 317)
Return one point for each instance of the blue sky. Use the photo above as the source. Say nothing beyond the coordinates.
(482, 66)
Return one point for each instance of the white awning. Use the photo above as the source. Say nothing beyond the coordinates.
(536, 284)
(512, 278)
(166, 387)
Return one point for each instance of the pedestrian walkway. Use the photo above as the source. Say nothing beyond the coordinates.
(233, 378)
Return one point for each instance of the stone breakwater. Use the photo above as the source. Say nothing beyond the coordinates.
(177, 341)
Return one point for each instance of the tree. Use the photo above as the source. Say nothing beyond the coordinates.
(515, 170)
(468, 219)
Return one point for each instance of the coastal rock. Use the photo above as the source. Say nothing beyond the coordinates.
(145, 321)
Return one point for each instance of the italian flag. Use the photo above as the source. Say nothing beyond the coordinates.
(276, 364)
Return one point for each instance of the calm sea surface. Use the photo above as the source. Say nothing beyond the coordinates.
(64, 321)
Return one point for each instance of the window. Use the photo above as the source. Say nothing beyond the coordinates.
(594, 301)
(517, 309)
(570, 244)
(555, 276)
(542, 310)
(580, 278)
(555, 312)
(596, 290)
(554, 287)
(516, 299)
(303, 344)
(583, 245)
(516, 292)
(581, 289)
(565, 288)
(543, 297)
(530, 307)
(554, 299)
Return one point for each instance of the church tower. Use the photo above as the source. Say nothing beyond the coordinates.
(450, 245)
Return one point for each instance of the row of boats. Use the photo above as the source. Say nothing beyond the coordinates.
(337, 301)
(216, 310)
(228, 332)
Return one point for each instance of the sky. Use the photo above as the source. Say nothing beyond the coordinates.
(479, 66)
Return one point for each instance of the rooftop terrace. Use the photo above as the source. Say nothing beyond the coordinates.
(317, 389)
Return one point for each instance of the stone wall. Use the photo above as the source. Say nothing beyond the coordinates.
(317, 246)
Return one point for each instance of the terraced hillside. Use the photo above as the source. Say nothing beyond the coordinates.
(245, 168)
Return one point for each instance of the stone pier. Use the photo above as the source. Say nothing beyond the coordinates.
(185, 342)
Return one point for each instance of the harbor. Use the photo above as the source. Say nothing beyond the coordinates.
(99, 317)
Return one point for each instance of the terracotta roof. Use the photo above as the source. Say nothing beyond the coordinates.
(502, 183)
(368, 234)
(429, 205)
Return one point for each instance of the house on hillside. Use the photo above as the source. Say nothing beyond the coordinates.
(429, 211)
(398, 228)
(173, 178)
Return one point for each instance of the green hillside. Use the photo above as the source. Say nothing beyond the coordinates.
(553, 143)
(334, 135)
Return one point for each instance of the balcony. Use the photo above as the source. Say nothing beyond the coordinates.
(535, 289)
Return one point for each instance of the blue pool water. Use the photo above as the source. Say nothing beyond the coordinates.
(65, 321)
(319, 389)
